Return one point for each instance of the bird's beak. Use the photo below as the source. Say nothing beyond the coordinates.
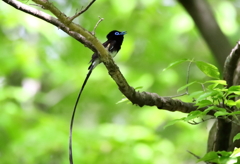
(123, 33)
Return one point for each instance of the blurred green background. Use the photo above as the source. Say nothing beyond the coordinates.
(42, 70)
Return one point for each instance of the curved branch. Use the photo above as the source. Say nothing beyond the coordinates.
(86, 38)
(52, 20)
(82, 11)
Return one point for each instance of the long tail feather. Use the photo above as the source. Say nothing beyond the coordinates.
(73, 114)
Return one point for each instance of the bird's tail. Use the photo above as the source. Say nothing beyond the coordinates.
(74, 111)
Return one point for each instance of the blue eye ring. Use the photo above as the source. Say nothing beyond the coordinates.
(116, 33)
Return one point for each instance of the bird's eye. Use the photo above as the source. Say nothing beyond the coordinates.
(116, 33)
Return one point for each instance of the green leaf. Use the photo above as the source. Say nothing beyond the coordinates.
(210, 157)
(137, 88)
(175, 63)
(221, 82)
(220, 109)
(236, 137)
(203, 103)
(206, 95)
(234, 88)
(217, 95)
(208, 69)
(220, 157)
(123, 100)
(231, 103)
(221, 113)
(214, 108)
(224, 153)
(196, 94)
(173, 122)
(234, 113)
(236, 152)
(219, 85)
(194, 114)
(232, 96)
(185, 86)
(238, 103)
(236, 92)
(212, 86)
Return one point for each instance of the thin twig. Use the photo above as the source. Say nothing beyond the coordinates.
(203, 87)
(82, 11)
(186, 93)
(203, 120)
(188, 71)
(37, 5)
(94, 29)
(194, 154)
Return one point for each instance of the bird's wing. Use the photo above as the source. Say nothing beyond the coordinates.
(109, 45)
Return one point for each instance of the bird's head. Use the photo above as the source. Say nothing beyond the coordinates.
(115, 35)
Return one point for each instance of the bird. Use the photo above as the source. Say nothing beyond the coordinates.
(113, 45)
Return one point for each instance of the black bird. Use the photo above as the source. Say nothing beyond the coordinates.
(113, 45)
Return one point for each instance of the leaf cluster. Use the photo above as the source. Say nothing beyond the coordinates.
(216, 100)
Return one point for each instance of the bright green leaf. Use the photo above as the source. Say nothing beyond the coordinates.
(221, 113)
(203, 103)
(175, 63)
(210, 157)
(209, 109)
(173, 122)
(214, 108)
(194, 114)
(234, 88)
(217, 95)
(196, 94)
(137, 88)
(206, 95)
(238, 103)
(123, 100)
(235, 113)
(237, 92)
(236, 152)
(236, 137)
(185, 86)
(231, 103)
(208, 69)
(224, 153)
(212, 86)
(219, 109)
(221, 82)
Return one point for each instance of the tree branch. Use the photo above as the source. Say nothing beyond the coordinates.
(86, 38)
(52, 20)
(82, 11)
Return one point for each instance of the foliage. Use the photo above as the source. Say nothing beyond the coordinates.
(220, 157)
(214, 97)
(42, 70)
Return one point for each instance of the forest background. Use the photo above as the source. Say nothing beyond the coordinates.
(42, 70)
